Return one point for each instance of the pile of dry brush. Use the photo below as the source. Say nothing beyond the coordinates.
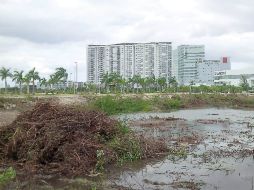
(55, 139)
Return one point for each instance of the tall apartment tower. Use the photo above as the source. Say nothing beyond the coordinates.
(129, 59)
(175, 65)
(163, 60)
(189, 56)
(96, 63)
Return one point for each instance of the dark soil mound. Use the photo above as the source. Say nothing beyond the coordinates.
(58, 139)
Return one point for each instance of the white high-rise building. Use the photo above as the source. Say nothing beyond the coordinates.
(129, 59)
(96, 62)
(189, 56)
(175, 65)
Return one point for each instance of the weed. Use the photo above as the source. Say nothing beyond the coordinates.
(127, 148)
(7, 176)
(100, 160)
(179, 152)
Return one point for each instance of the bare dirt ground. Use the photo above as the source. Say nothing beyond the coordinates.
(6, 117)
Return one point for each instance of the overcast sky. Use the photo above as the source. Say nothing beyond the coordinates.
(51, 33)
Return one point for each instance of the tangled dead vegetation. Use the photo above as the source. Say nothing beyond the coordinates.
(55, 139)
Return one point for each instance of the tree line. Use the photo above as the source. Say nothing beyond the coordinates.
(112, 83)
(21, 78)
(115, 83)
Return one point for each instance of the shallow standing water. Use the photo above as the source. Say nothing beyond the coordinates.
(217, 144)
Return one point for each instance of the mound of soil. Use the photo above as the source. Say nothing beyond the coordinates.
(55, 139)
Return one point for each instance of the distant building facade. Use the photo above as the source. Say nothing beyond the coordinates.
(233, 77)
(190, 66)
(189, 57)
(129, 59)
(207, 69)
(175, 64)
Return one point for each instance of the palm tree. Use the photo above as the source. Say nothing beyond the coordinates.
(142, 83)
(173, 83)
(244, 83)
(136, 79)
(33, 75)
(114, 79)
(192, 83)
(4, 74)
(148, 82)
(52, 80)
(27, 80)
(122, 83)
(106, 81)
(44, 82)
(162, 81)
(61, 75)
(18, 78)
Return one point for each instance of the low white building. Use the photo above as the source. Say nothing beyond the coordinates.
(233, 77)
(206, 70)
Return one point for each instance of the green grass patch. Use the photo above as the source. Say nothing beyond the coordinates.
(127, 148)
(115, 105)
(7, 176)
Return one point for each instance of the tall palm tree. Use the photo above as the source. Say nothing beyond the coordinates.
(34, 75)
(150, 82)
(52, 80)
(114, 79)
(44, 82)
(136, 81)
(192, 83)
(27, 80)
(244, 83)
(173, 83)
(61, 75)
(4, 74)
(122, 83)
(106, 81)
(18, 78)
(162, 81)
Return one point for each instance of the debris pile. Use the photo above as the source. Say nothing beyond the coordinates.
(55, 139)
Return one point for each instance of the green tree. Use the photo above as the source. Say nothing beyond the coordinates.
(136, 79)
(61, 75)
(244, 83)
(114, 80)
(173, 83)
(4, 74)
(33, 75)
(192, 83)
(52, 81)
(105, 81)
(27, 80)
(44, 82)
(18, 78)
(122, 82)
(162, 82)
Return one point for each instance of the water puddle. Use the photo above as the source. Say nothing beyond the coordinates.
(212, 149)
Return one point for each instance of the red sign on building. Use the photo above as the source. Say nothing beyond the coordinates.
(224, 60)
